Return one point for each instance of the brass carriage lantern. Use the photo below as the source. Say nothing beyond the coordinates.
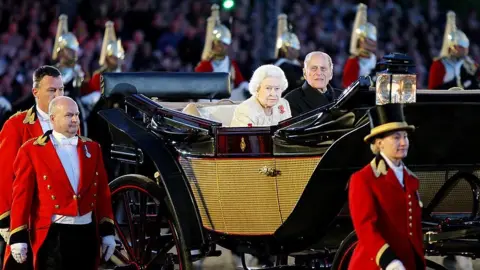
(396, 80)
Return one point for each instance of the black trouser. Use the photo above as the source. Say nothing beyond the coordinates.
(69, 247)
(3, 245)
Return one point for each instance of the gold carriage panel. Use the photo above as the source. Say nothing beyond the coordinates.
(458, 200)
(233, 197)
(247, 196)
(294, 174)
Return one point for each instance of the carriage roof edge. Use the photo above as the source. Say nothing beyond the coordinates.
(167, 85)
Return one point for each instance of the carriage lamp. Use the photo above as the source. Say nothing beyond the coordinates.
(396, 80)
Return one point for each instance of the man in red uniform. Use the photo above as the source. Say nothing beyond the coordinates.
(61, 197)
(215, 58)
(363, 45)
(111, 58)
(47, 84)
(287, 51)
(384, 201)
(454, 68)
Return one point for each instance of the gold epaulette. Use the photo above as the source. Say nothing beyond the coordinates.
(30, 117)
(437, 58)
(85, 139)
(41, 141)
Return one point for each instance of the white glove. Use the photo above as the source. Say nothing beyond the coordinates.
(464, 263)
(19, 252)
(395, 265)
(5, 233)
(108, 246)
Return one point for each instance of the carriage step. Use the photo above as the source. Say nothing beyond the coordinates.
(285, 267)
(126, 267)
(432, 237)
(455, 247)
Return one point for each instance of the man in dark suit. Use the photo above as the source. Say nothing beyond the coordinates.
(315, 92)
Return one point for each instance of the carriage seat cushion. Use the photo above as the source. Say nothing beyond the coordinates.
(219, 113)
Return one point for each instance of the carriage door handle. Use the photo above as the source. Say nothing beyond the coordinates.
(267, 171)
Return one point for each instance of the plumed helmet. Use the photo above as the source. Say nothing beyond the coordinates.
(63, 38)
(216, 31)
(111, 46)
(361, 29)
(452, 36)
(285, 38)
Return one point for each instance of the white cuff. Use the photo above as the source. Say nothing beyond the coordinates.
(395, 265)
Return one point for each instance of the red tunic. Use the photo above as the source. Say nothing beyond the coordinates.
(206, 66)
(351, 71)
(446, 73)
(41, 189)
(17, 130)
(386, 218)
(436, 74)
(94, 83)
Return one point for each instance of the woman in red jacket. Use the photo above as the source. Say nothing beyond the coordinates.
(384, 201)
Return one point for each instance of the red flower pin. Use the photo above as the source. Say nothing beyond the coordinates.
(282, 109)
(250, 125)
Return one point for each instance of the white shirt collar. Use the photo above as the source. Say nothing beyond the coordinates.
(43, 116)
(390, 163)
(397, 170)
(61, 139)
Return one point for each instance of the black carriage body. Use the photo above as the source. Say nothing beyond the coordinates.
(239, 186)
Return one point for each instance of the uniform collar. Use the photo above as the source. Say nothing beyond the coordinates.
(43, 116)
(310, 91)
(380, 166)
(390, 163)
(30, 116)
(60, 139)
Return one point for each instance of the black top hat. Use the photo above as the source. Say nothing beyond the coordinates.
(386, 118)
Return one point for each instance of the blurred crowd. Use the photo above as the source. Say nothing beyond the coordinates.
(168, 35)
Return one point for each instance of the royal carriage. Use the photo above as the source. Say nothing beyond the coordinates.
(189, 182)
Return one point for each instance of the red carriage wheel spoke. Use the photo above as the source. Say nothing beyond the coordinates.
(128, 211)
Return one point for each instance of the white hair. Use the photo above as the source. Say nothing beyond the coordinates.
(311, 54)
(374, 148)
(52, 107)
(264, 72)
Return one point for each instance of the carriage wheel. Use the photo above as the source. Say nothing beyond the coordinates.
(146, 234)
(344, 253)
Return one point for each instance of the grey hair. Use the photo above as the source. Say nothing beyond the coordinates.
(263, 72)
(374, 148)
(311, 54)
(53, 106)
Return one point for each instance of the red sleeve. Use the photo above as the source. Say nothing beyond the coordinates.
(238, 75)
(10, 142)
(364, 216)
(204, 66)
(93, 84)
(104, 203)
(23, 191)
(435, 77)
(350, 72)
